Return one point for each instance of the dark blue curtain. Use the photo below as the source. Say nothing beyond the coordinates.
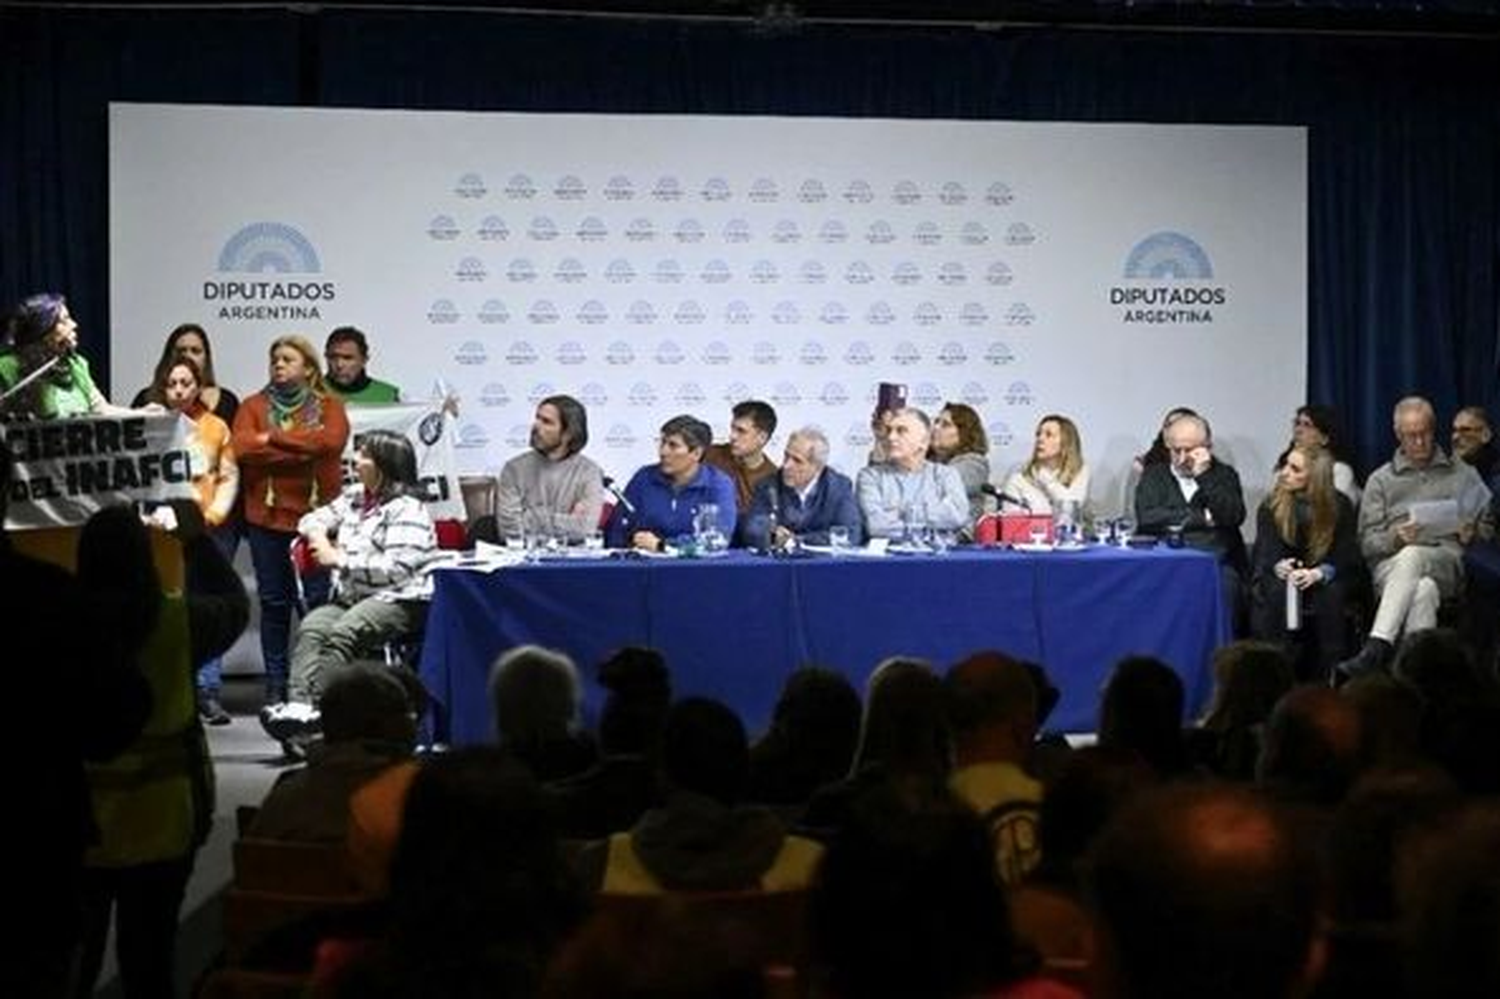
(1404, 135)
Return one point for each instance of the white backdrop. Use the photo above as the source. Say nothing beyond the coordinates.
(653, 265)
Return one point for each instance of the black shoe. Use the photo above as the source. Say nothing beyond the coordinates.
(210, 710)
(1367, 660)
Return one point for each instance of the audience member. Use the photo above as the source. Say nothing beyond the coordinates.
(907, 491)
(992, 711)
(1415, 562)
(1141, 710)
(702, 838)
(289, 439)
(536, 697)
(1450, 901)
(662, 501)
(811, 740)
(348, 353)
(615, 792)
(907, 904)
(805, 501)
(1313, 748)
(904, 738)
(1249, 678)
(552, 489)
(1157, 453)
(1460, 729)
(479, 894)
(1206, 890)
(369, 722)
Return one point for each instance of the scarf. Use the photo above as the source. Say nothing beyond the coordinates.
(294, 406)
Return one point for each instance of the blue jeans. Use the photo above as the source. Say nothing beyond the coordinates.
(276, 587)
(226, 537)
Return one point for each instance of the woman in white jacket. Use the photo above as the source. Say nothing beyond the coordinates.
(375, 537)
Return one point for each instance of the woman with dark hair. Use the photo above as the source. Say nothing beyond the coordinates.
(959, 440)
(1318, 426)
(289, 438)
(216, 481)
(375, 537)
(153, 803)
(191, 341)
(42, 375)
(1305, 535)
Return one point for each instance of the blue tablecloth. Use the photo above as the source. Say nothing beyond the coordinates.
(734, 627)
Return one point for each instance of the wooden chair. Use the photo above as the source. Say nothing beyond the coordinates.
(279, 887)
(315, 869)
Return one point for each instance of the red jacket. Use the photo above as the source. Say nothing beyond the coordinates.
(285, 473)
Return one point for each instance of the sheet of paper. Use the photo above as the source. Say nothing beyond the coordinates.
(1436, 518)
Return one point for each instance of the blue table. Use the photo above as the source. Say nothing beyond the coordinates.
(734, 627)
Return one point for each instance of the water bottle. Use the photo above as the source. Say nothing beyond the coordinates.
(1293, 603)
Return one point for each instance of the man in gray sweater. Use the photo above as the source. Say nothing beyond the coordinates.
(1418, 512)
(552, 490)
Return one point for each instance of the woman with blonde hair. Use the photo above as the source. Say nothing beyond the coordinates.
(1056, 472)
(959, 440)
(1305, 538)
(289, 438)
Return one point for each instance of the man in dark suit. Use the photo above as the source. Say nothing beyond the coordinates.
(804, 501)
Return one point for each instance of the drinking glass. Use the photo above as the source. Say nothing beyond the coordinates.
(594, 541)
(1038, 533)
(838, 536)
(1124, 528)
(1104, 529)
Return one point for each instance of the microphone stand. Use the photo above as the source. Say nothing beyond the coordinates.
(41, 370)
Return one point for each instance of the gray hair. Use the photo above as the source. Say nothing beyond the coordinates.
(1414, 404)
(1195, 420)
(535, 694)
(816, 441)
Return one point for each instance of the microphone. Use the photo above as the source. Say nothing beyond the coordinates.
(989, 489)
(619, 495)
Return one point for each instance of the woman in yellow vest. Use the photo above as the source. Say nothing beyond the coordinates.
(154, 802)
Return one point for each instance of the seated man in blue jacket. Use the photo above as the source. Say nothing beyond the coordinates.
(804, 500)
(662, 501)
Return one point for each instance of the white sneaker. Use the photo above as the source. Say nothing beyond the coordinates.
(283, 721)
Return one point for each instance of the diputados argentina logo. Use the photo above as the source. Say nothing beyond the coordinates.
(275, 272)
(1168, 281)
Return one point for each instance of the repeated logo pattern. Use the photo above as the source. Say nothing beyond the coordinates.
(647, 295)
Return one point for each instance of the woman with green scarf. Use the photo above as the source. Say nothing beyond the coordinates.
(289, 438)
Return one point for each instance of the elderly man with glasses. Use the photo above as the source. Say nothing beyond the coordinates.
(1420, 510)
